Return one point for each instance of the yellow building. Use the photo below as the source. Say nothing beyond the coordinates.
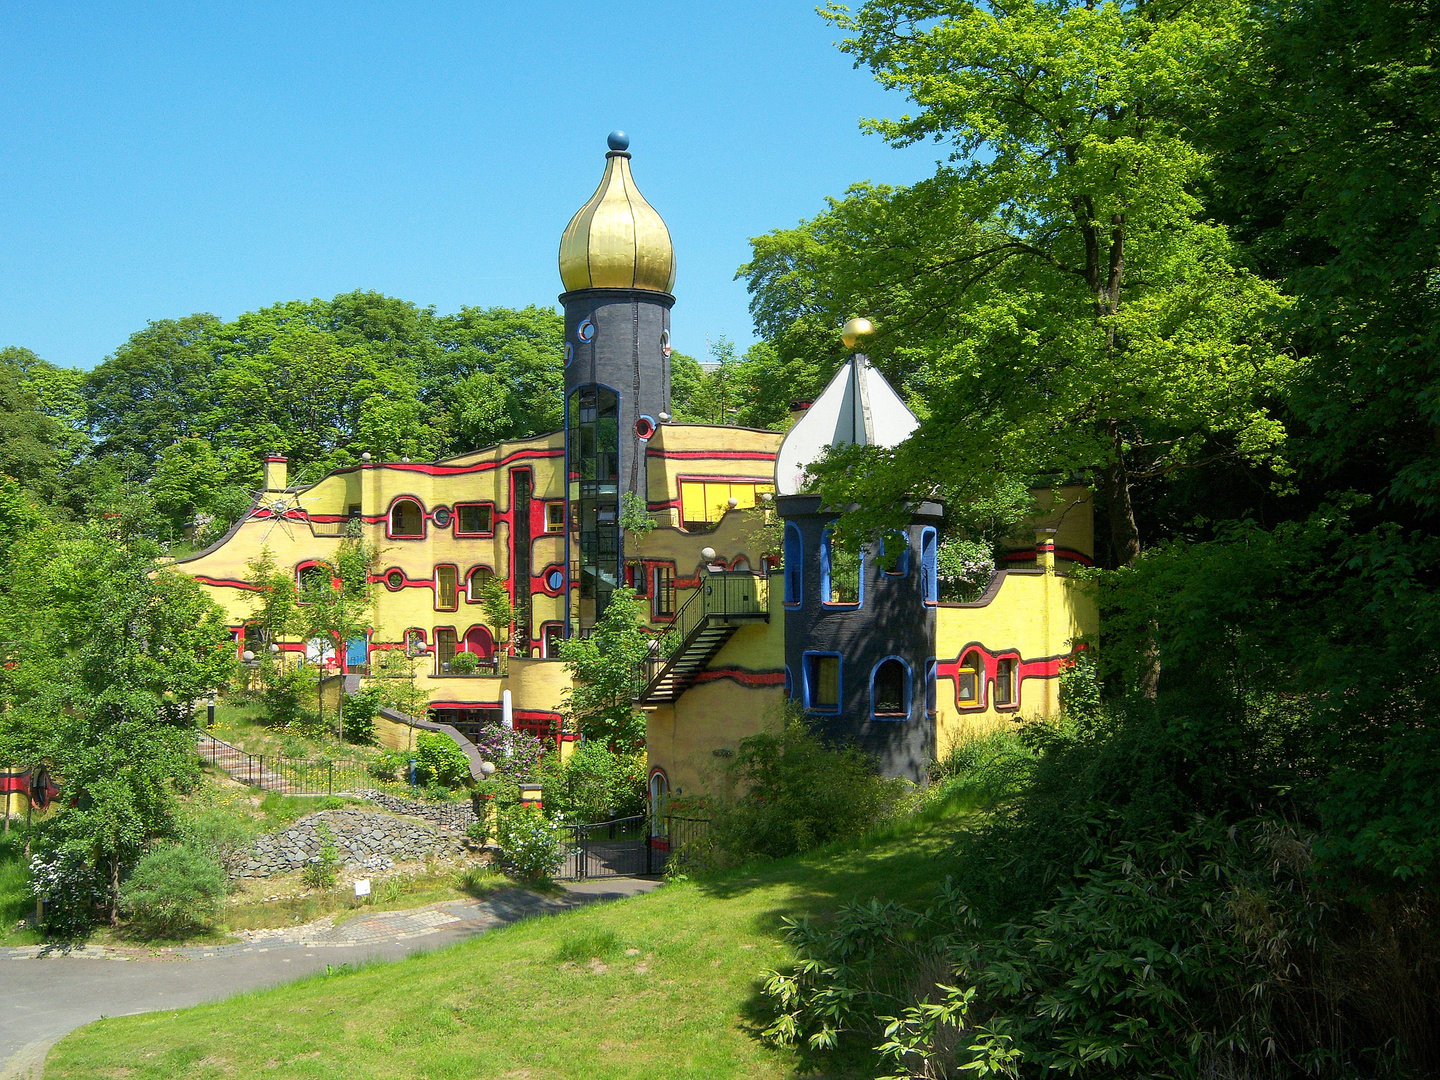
(742, 619)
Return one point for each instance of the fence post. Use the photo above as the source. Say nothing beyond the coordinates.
(330, 778)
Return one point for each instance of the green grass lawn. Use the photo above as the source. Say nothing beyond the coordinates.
(664, 985)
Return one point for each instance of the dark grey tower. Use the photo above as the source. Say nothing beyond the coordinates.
(618, 266)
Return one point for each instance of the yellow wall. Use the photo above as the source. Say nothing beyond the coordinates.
(1034, 615)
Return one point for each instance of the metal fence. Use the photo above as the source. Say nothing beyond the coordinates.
(720, 595)
(638, 846)
(290, 776)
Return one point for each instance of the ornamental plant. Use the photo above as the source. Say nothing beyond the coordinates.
(173, 888)
(439, 760)
(531, 842)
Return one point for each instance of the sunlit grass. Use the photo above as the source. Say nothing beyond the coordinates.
(658, 985)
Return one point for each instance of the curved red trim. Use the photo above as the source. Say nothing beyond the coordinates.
(225, 583)
(1060, 553)
(743, 677)
(711, 455)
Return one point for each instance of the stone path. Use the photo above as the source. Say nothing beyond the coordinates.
(42, 1002)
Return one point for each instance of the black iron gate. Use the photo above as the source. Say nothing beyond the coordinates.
(636, 846)
(618, 848)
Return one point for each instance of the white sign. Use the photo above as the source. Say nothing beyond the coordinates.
(362, 887)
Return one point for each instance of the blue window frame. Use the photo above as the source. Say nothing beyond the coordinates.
(794, 564)
(847, 579)
(932, 695)
(929, 566)
(822, 682)
(789, 683)
(891, 689)
(899, 543)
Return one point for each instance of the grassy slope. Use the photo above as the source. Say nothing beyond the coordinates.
(672, 993)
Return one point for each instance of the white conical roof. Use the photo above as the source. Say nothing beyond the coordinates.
(858, 407)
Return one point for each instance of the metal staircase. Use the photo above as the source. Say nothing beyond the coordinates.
(722, 604)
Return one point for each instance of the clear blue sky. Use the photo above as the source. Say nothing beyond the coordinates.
(167, 158)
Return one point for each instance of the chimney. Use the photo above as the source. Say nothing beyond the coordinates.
(276, 477)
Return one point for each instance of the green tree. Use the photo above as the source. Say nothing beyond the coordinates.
(187, 482)
(1055, 301)
(153, 389)
(336, 606)
(601, 703)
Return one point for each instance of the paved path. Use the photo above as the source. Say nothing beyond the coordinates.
(41, 1002)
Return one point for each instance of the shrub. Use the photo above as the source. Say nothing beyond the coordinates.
(323, 870)
(173, 888)
(72, 889)
(516, 754)
(226, 836)
(361, 709)
(597, 784)
(478, 831)
(464, 663)
(390, 765)
(436, 792)
(284, 695)
(983, 769)
(797, 792)
(531, 842)
(439, 760)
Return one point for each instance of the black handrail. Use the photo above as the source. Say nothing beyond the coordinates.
(721, 593)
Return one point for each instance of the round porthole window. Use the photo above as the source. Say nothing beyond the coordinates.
(442, 516)
(665, 343)
(394, 580)
(554, 580)
(586, 330)
(645, 427)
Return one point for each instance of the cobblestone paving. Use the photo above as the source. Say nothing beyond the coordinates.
(472, 916)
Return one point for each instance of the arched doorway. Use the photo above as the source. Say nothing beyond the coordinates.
(478, 640)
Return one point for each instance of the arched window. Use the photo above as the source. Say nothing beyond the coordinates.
(970, 680)
(741, 565)
(407, 519)
(929, 566)
(895, 554)
(311, 579)
(794, 564)
(841, 572)
(890, 688)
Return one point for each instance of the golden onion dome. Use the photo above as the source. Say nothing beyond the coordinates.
(617, 240)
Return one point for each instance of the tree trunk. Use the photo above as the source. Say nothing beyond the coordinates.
(1125, 549)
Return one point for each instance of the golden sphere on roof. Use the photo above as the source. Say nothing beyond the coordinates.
(855, 331)
(617, 240)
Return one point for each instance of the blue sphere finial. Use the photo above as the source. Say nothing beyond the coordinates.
(618, 140)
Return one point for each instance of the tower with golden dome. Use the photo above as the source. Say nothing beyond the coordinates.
(618, 266)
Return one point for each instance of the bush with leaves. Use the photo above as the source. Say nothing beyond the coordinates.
(438, 760)
(596, 784)
(517, 754)
(530, 841)
(361, 709)
(72, 891)
(285, 689)
(464, 663)
(174, 888)
(390, 765)
(792, 791)
(601, 704)
(322, 871)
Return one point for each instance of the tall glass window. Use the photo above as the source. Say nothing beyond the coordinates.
(594, 448)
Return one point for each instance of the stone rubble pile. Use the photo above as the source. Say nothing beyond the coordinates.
(364, 841)
(456, 816)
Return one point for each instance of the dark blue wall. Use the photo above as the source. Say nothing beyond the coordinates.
(892, 619)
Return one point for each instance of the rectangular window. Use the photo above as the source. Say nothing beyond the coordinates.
(822, 682)
(474, 519)
(447, 588)
(353, 511)
(1006, 690)
(444, 649)
(967, 679)
(704, 502)
(664, 597)
(555, 517)
(641, 579)
(554, 634)
(840, 572)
